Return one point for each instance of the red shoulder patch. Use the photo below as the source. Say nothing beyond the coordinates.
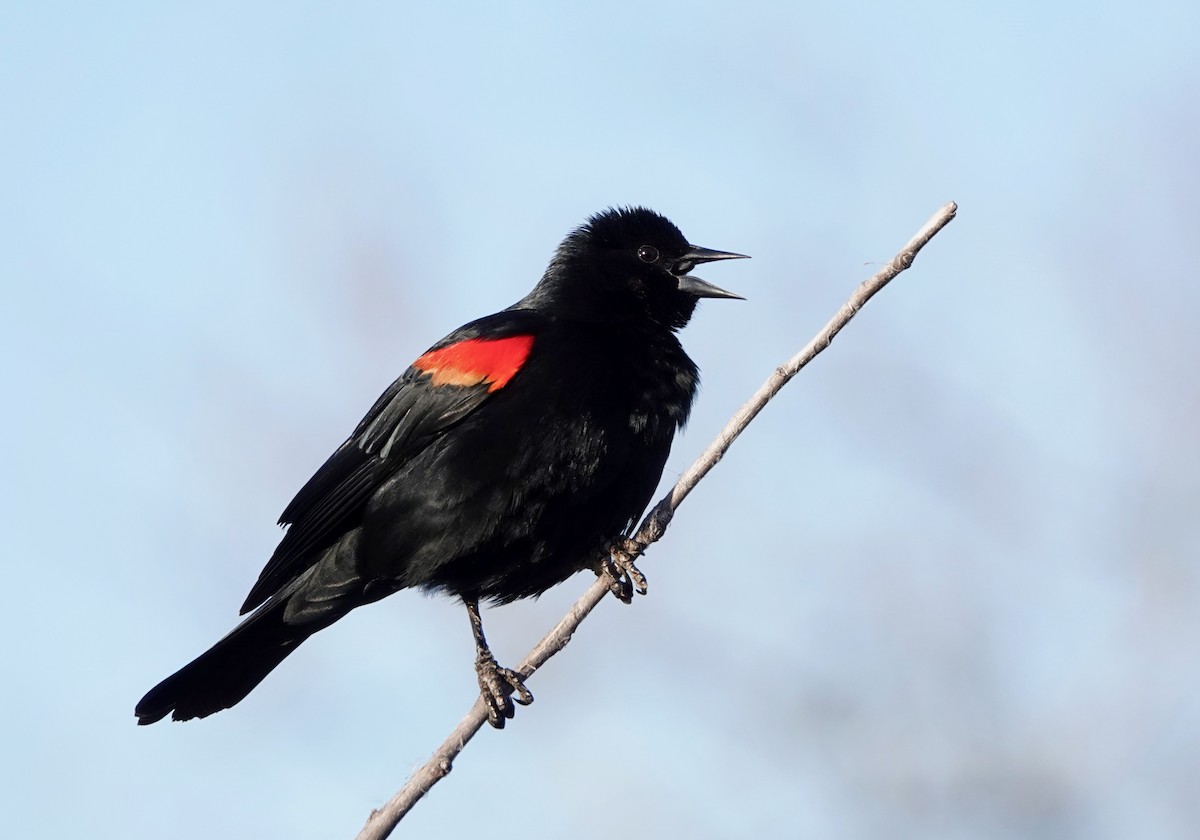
(477, 361)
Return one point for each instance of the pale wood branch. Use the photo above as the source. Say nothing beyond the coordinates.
(382, 821)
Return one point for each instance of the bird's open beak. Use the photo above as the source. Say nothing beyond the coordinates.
(694, 285)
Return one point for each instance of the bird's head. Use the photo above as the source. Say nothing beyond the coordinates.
(628, 264)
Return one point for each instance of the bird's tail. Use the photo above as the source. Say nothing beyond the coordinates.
(228, 671)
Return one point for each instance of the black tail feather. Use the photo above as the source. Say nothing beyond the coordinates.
(228, 671)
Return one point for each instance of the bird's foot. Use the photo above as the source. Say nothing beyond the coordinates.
(621, 575)
(497, 686)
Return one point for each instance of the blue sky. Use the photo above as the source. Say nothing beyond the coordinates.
(945, 586)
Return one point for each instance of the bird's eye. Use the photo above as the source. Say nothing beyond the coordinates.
(648, 254)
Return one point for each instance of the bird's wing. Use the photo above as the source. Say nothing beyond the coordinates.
(451, 380)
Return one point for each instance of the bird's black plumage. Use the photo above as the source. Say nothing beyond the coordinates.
(504, 460)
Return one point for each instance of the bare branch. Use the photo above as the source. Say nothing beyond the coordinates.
(383, 820)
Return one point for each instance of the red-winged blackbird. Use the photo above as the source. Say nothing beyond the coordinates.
(504, 460)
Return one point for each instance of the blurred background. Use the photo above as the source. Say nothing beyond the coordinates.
(946, 586)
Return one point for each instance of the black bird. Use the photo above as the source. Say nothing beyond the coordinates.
(518, 450)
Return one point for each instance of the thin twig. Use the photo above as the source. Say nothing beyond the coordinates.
(383, 820)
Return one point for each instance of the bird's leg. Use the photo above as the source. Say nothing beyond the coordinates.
(496, 684)
(617, 568)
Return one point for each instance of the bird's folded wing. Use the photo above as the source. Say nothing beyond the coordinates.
(454, 378)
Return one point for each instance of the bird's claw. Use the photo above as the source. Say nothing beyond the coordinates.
(621, 575)
(498, 686)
